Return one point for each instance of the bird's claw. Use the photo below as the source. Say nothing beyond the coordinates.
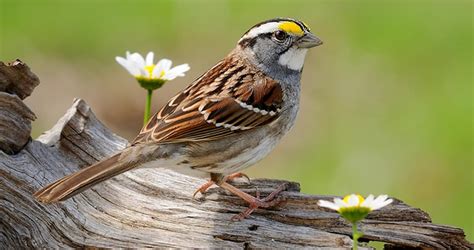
(202, 189)
(270, 201)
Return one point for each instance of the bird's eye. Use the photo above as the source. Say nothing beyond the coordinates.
(280, 35)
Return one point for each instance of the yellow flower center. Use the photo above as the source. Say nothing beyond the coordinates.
(361, 199)
(150, 69)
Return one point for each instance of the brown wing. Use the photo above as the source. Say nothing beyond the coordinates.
(228, 99)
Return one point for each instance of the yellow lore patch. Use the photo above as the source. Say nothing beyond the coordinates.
(291, 27)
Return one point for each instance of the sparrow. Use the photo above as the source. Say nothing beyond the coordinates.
(225, 121)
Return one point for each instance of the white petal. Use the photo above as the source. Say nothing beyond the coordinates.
(164, 65)
(368, 201)
(176, 71)
(353, 200)
(340, 202)
(144, 72)
(149, 58)
(379, 200)
(328, 204)
(128, 54)
(138, 60)
(122, 61)
(381, 204)
(181, 68)
(156, 73)
(128, 66)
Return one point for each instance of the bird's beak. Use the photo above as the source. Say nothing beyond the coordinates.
(308, 40)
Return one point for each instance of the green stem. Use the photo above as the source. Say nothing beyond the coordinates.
(355, 236)
(146, 115)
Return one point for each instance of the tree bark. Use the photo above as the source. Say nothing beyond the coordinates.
(154, 207)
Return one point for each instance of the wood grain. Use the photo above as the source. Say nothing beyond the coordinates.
(154, 207)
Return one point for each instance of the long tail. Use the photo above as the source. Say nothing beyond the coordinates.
(75, 183)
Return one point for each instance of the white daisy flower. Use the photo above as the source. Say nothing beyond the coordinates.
(150, 75)
(354, 207)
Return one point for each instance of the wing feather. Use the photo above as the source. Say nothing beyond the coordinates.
(230, 98)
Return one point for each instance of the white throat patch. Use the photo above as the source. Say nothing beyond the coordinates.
(293, 58)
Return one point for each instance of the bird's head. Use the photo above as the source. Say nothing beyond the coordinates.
(281, 42)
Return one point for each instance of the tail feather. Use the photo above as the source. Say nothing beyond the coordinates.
(75, 183)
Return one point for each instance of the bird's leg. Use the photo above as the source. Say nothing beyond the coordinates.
(254, 202)
(208, 184)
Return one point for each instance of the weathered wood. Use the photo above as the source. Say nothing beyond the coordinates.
(154, 208)
(15, 123)
(17, 78)
(16, 81)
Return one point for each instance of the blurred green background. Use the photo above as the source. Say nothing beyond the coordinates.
(387, 100)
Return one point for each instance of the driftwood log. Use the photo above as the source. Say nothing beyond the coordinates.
(154, 208)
